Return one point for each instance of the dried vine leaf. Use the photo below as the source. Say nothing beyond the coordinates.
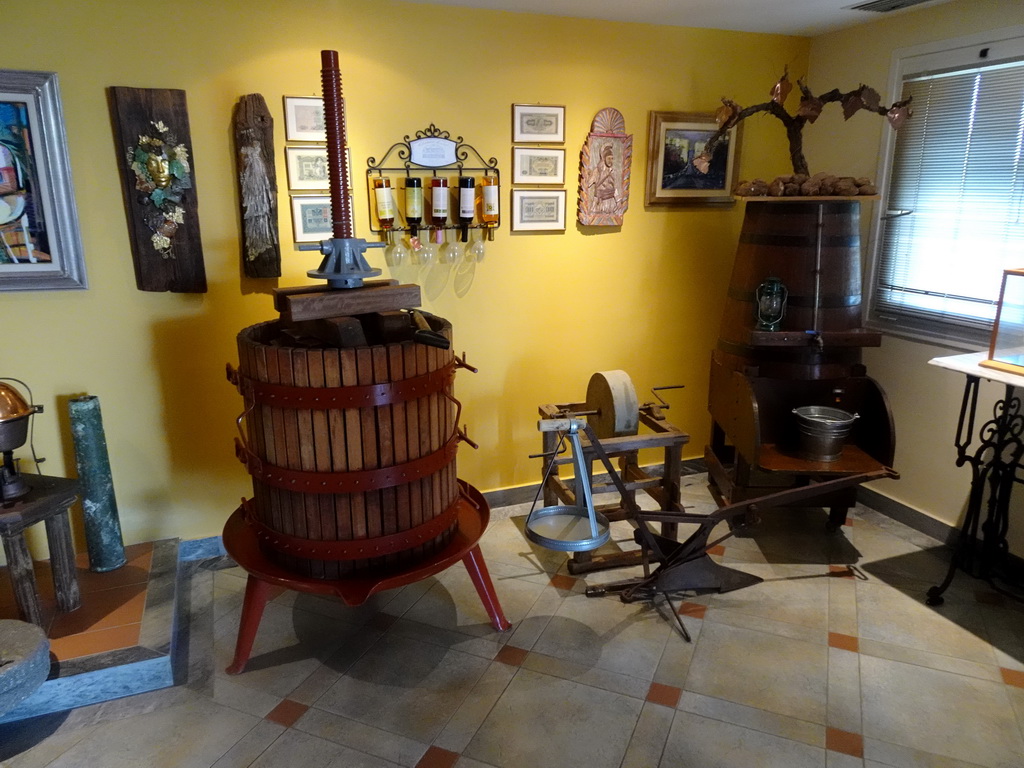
(851, 104)
(781, 89)
(870, 97)
(810, 108)
(727, 114)
(898, 114)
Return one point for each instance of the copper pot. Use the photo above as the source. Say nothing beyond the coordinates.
(14, 413)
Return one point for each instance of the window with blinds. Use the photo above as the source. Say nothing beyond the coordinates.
(953, 216)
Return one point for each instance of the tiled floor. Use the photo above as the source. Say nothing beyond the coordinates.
(113, 609)
(832, 661)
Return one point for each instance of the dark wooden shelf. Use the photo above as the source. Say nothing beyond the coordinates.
(852, 460)
(851, 338)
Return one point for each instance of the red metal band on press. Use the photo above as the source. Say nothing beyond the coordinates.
(354, 549)
(356, 481)
(358, 396)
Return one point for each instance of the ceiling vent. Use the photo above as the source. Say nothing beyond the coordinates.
(885, 6)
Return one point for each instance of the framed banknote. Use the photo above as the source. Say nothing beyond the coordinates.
(538, 124)
(532, 165)
(535, 210)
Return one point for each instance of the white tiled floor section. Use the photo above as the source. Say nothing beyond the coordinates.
(819, 665)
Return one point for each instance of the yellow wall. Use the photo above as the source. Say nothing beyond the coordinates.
(541, 314)
(925, 400)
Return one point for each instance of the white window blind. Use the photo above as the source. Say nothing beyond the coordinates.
(954, 212)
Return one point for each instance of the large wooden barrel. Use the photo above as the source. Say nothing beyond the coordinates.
(351, 451)
(814, 248)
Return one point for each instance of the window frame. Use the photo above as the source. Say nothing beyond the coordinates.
(1006, 44)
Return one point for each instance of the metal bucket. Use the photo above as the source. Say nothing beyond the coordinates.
(823, 431)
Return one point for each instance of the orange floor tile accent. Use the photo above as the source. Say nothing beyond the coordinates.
(102, 610)
(841, 571)
(718, 549)
(666, 695)
(113, 602)
(512, 656)
(845, 742)
(561, 581)
(435, 757)
(287, 712)
(88, 643)
(134, 571)
(846, 642)
(1012, 677)
(694, 610)
(8, 610)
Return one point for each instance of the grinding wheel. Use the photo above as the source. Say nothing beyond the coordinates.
(612, 395)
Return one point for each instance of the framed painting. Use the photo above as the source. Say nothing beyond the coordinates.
(304, 119)
(307, 168)
(532, 165)
(538, 124)
(535, 210)
(311, 218)
(674, 139)
(40, 244)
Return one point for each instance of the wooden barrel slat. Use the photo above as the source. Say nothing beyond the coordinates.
(412, 431)
(316, 504)
(343, 440)
(354, 450)
(339, 461)
(252, 363)
(385, 445)
(426, 484)
(294, 437)
(368, 437)
(396, 370)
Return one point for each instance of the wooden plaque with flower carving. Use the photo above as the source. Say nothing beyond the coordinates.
(154, 152)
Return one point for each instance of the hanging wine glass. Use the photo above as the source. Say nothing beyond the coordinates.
(451, 251)
(428, 253)
(476, 250)
(396, 253)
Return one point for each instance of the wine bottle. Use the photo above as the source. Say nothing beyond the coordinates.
(413, 204)
(385, 201)
(467, 205)
(439, 205)
(489, 201)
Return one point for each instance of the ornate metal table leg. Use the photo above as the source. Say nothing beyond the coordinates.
(994, 466)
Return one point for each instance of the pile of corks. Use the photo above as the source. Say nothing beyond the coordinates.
(802, 185)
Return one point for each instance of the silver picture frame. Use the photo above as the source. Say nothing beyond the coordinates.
(307, 168)
(304, 118)
(536, 165)
(40, 242)
(538, 124)
(538, 210)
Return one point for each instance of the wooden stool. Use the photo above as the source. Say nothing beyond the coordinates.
(47, 501)
(241, 543)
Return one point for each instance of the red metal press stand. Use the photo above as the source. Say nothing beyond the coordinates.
(242, 545)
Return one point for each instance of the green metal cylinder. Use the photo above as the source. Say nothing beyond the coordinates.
(102, 524)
